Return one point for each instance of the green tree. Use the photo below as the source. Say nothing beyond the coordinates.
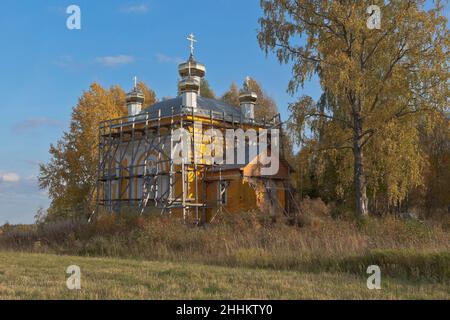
(265, 105)
(205, 90)
(381, 82)
(149, 95)
(70, 175)
(436, 146)
(232, 95)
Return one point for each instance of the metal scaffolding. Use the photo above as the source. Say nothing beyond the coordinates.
(136, 170)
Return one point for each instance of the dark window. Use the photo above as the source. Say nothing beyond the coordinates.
(223, 186)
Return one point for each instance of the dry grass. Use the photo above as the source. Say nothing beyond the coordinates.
(404, 249)
(42, 276)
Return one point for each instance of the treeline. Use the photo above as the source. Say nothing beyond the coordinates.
(407, 164)
(378, 139)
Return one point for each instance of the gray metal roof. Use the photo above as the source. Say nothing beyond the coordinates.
(204, 106)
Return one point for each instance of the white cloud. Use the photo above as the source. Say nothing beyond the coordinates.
(64, 61)
(20, 200)
(136, 8)
(112, 61)
(162, 58)
(9, 177)
(35, 123)
(11, 183)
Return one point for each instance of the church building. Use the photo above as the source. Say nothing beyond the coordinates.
(139, 169)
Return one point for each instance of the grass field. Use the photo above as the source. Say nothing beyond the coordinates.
(42, 276)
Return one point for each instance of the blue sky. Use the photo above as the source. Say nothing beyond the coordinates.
(44, 68)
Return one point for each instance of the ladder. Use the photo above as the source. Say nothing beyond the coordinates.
(148, 187)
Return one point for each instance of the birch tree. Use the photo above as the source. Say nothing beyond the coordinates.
(373, 77)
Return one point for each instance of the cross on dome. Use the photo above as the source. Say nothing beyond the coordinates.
(247, 81)
(192, 40)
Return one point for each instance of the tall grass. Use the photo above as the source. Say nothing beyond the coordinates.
(315, 243)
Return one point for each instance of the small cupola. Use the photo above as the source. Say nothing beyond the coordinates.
(188, 88)
(191, 73)
(247, 99)
(135, 100)
(192, 68)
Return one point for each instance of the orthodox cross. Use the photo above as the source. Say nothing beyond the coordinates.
(247, 83)
(191, 38)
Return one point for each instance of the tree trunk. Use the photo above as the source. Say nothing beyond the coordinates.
(358, 177)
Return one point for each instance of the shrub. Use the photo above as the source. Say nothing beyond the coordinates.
(433, 266)
(408, 248)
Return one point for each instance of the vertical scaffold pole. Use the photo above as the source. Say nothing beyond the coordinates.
(172, 167)
(109, 178)
(158, 180)
(194, 158)
(183, 174)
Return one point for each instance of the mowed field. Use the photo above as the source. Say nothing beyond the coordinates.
(42, 276)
